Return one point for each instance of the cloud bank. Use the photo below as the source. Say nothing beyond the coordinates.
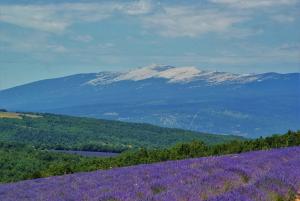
(165, 19)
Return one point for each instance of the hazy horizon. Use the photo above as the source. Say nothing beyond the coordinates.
(48, 39)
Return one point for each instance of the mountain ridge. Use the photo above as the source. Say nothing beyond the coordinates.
(184, 74)
(129, 75)
(248, 105)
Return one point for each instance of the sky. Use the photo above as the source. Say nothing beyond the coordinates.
(46, 39)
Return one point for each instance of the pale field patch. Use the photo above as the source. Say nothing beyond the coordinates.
(13, 115)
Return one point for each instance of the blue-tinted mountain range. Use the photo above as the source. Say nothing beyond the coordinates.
(183, 97)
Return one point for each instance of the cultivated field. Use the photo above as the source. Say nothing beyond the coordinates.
(10, 115)
(261, 175)
(13, 115)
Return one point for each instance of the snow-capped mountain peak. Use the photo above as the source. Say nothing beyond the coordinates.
(142, 73)
(173, 75)
(182, 74)
(158, 67)
(104, 78)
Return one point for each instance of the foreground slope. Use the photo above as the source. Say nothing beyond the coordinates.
(181, 97)
(64, 132)
(260, 175)
(21, 162)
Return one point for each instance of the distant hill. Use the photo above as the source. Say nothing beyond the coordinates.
(250, 105)
(66, 132)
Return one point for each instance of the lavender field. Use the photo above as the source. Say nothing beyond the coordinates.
(261, 175)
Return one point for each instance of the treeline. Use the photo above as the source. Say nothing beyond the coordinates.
(200, 149)
(19, 162)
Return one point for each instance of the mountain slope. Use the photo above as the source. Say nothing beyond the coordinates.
(65, 132)
(181, 97)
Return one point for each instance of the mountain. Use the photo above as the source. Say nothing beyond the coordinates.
(182, 97)
(51, 131)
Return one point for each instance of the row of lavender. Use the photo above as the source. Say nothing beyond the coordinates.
(261, 175)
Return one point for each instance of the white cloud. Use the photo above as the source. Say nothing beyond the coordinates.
(56, 18)
(283, 18)
(191, 22)
(37, 17)
(57, 48)
(106, 45)
(244, 54)
(34, 43)
(47, 18)
(137, 8)
(83, 38)
(165, 19)
(172, 21)
(288, 52)
(254, 3)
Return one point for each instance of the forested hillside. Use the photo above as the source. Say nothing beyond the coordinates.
(19, 162)
(50, 131)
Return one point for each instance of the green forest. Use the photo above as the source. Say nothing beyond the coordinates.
(48, 131)
(19, 161)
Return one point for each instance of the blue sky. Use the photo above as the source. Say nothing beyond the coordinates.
(45, 39)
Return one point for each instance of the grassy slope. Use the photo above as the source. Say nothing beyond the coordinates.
(65, 132)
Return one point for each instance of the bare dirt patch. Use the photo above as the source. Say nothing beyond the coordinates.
(298, 196)
(10, 115)
(13, 115)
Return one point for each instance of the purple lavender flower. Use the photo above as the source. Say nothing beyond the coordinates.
(252, 176)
